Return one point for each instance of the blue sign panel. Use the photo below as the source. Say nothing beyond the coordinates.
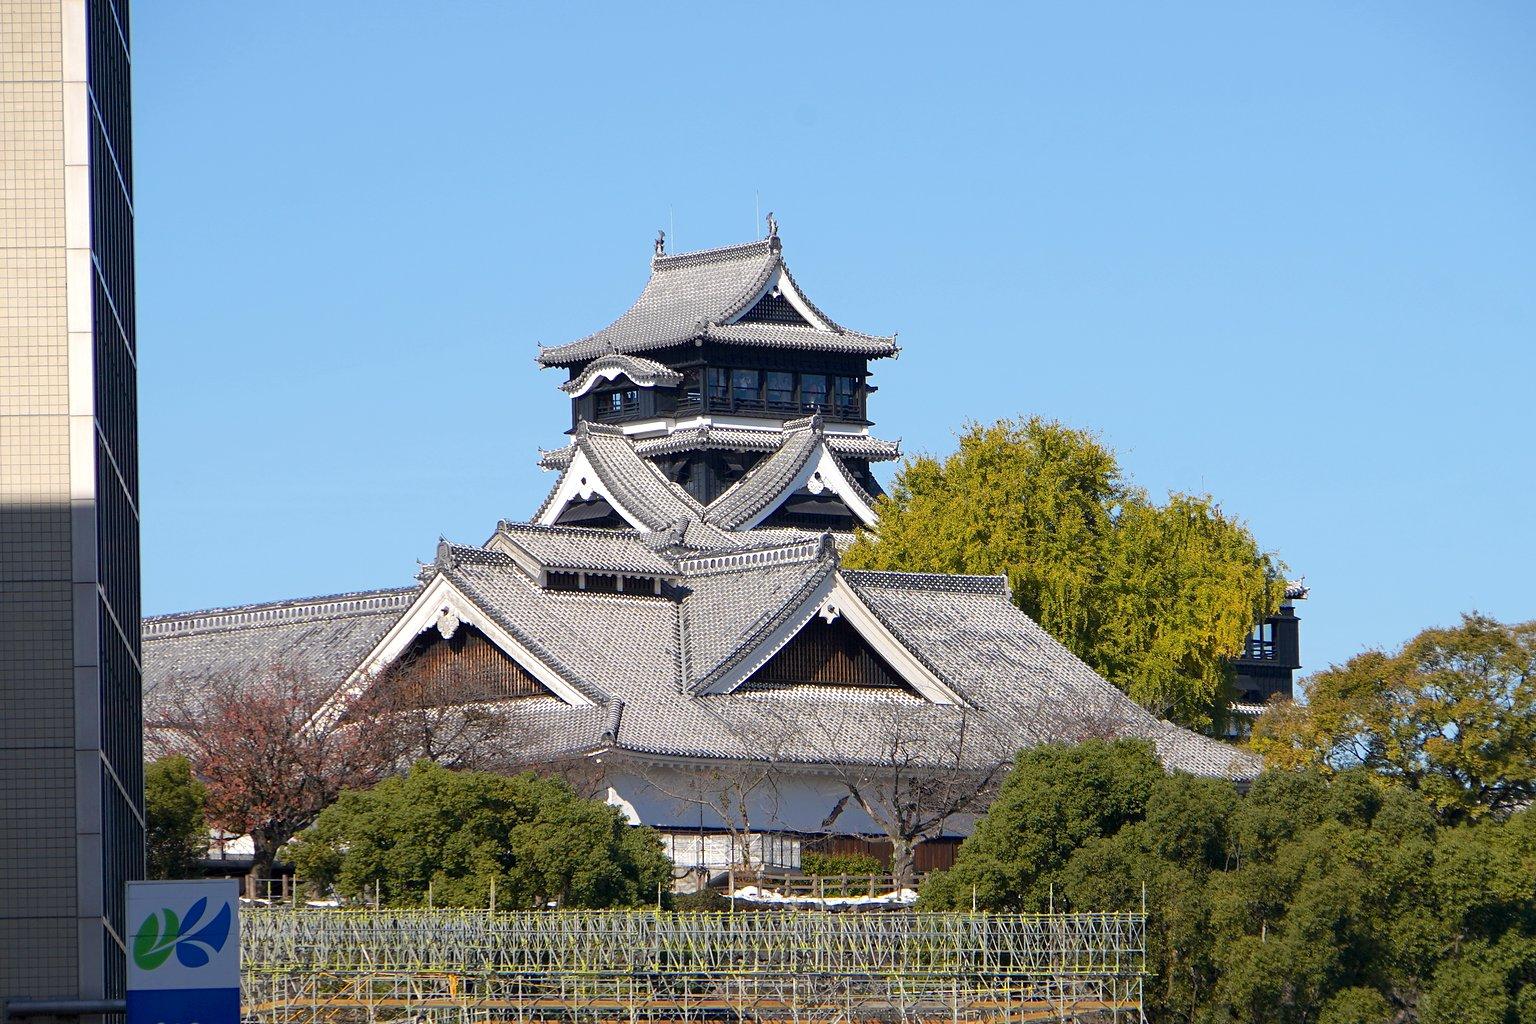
(184, 952)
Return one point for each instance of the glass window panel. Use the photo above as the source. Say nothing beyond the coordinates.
(747, 385)
(781, 387)
(813, 390)
(719, 384)
(846, 389)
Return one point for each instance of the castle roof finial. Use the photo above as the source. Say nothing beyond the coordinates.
(661, 243)
(773, 225)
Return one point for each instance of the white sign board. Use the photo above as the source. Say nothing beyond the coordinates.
(184, 952)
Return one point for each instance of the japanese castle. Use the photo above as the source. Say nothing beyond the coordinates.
(676, 609)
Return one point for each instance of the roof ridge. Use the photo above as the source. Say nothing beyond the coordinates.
(357, 602)
(718, 560)
(586, 427)
(954, 583)
(583, 531)
(812, 422)
(718, 254)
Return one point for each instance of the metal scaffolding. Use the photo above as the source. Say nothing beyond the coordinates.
(461, 967)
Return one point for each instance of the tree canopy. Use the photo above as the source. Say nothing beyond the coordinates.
(175, 833)
(269, 763)
(1451, 715)
(530, 840)
(1319, 897)
(1156, 597)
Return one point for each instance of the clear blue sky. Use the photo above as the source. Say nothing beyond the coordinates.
(1286, 256)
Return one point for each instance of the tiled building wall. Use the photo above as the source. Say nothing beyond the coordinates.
(69, 817)
(37, 843)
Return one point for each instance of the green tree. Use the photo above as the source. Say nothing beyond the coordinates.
(1321, 895)
(1156, 597)
(1451, 715)
(175, 833)
(462, 833)
(1055, 799)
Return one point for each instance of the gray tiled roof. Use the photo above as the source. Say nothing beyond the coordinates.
(635, 483)
(748, 439)
(325, 636)
(766, 481)
(645, 372)
(578, 548)
(644, 661)
(699, 294)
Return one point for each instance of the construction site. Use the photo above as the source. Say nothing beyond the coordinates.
(323, 966)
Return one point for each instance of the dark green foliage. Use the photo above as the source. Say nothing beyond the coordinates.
(1054, 800)
(460, 832)
(700, 902)
(1357, 1006)
(839, 864)
(175, 833)
(1157, 596)
(1319, 898)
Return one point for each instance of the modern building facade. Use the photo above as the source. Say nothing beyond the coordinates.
(71, 788)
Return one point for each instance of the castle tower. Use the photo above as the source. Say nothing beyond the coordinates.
(746, 399)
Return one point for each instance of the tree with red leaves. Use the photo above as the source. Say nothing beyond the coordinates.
(269, 762)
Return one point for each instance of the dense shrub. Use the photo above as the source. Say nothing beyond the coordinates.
(1333, 898)
(531, 840)
(840, 864)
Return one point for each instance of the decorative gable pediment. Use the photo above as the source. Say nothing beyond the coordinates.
(774, 308)
(828, 651)
(820, 478)
(849, 647)
(503, 661)
(780, 302)
(451, 664)
(582, 498)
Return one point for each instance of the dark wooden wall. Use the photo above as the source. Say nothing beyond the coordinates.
(828, 655)
(465, 667)
(932, 854)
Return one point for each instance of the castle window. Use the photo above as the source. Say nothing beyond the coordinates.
(691, 392)
(617, 404)
(1261, 643)
(719, 387)
(746, 386)
(813, 390)
(847, 395)
(781, 388)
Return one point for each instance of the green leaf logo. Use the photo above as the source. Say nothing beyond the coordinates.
(193, 940)
(156, 939)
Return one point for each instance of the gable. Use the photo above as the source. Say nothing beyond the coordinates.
(809, 511)
(463, 668)
(831, 655)
(827, 653)
(441, 607)
(774, 308)
(593, 511)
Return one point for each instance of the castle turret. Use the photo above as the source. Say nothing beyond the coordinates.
(722, 364)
